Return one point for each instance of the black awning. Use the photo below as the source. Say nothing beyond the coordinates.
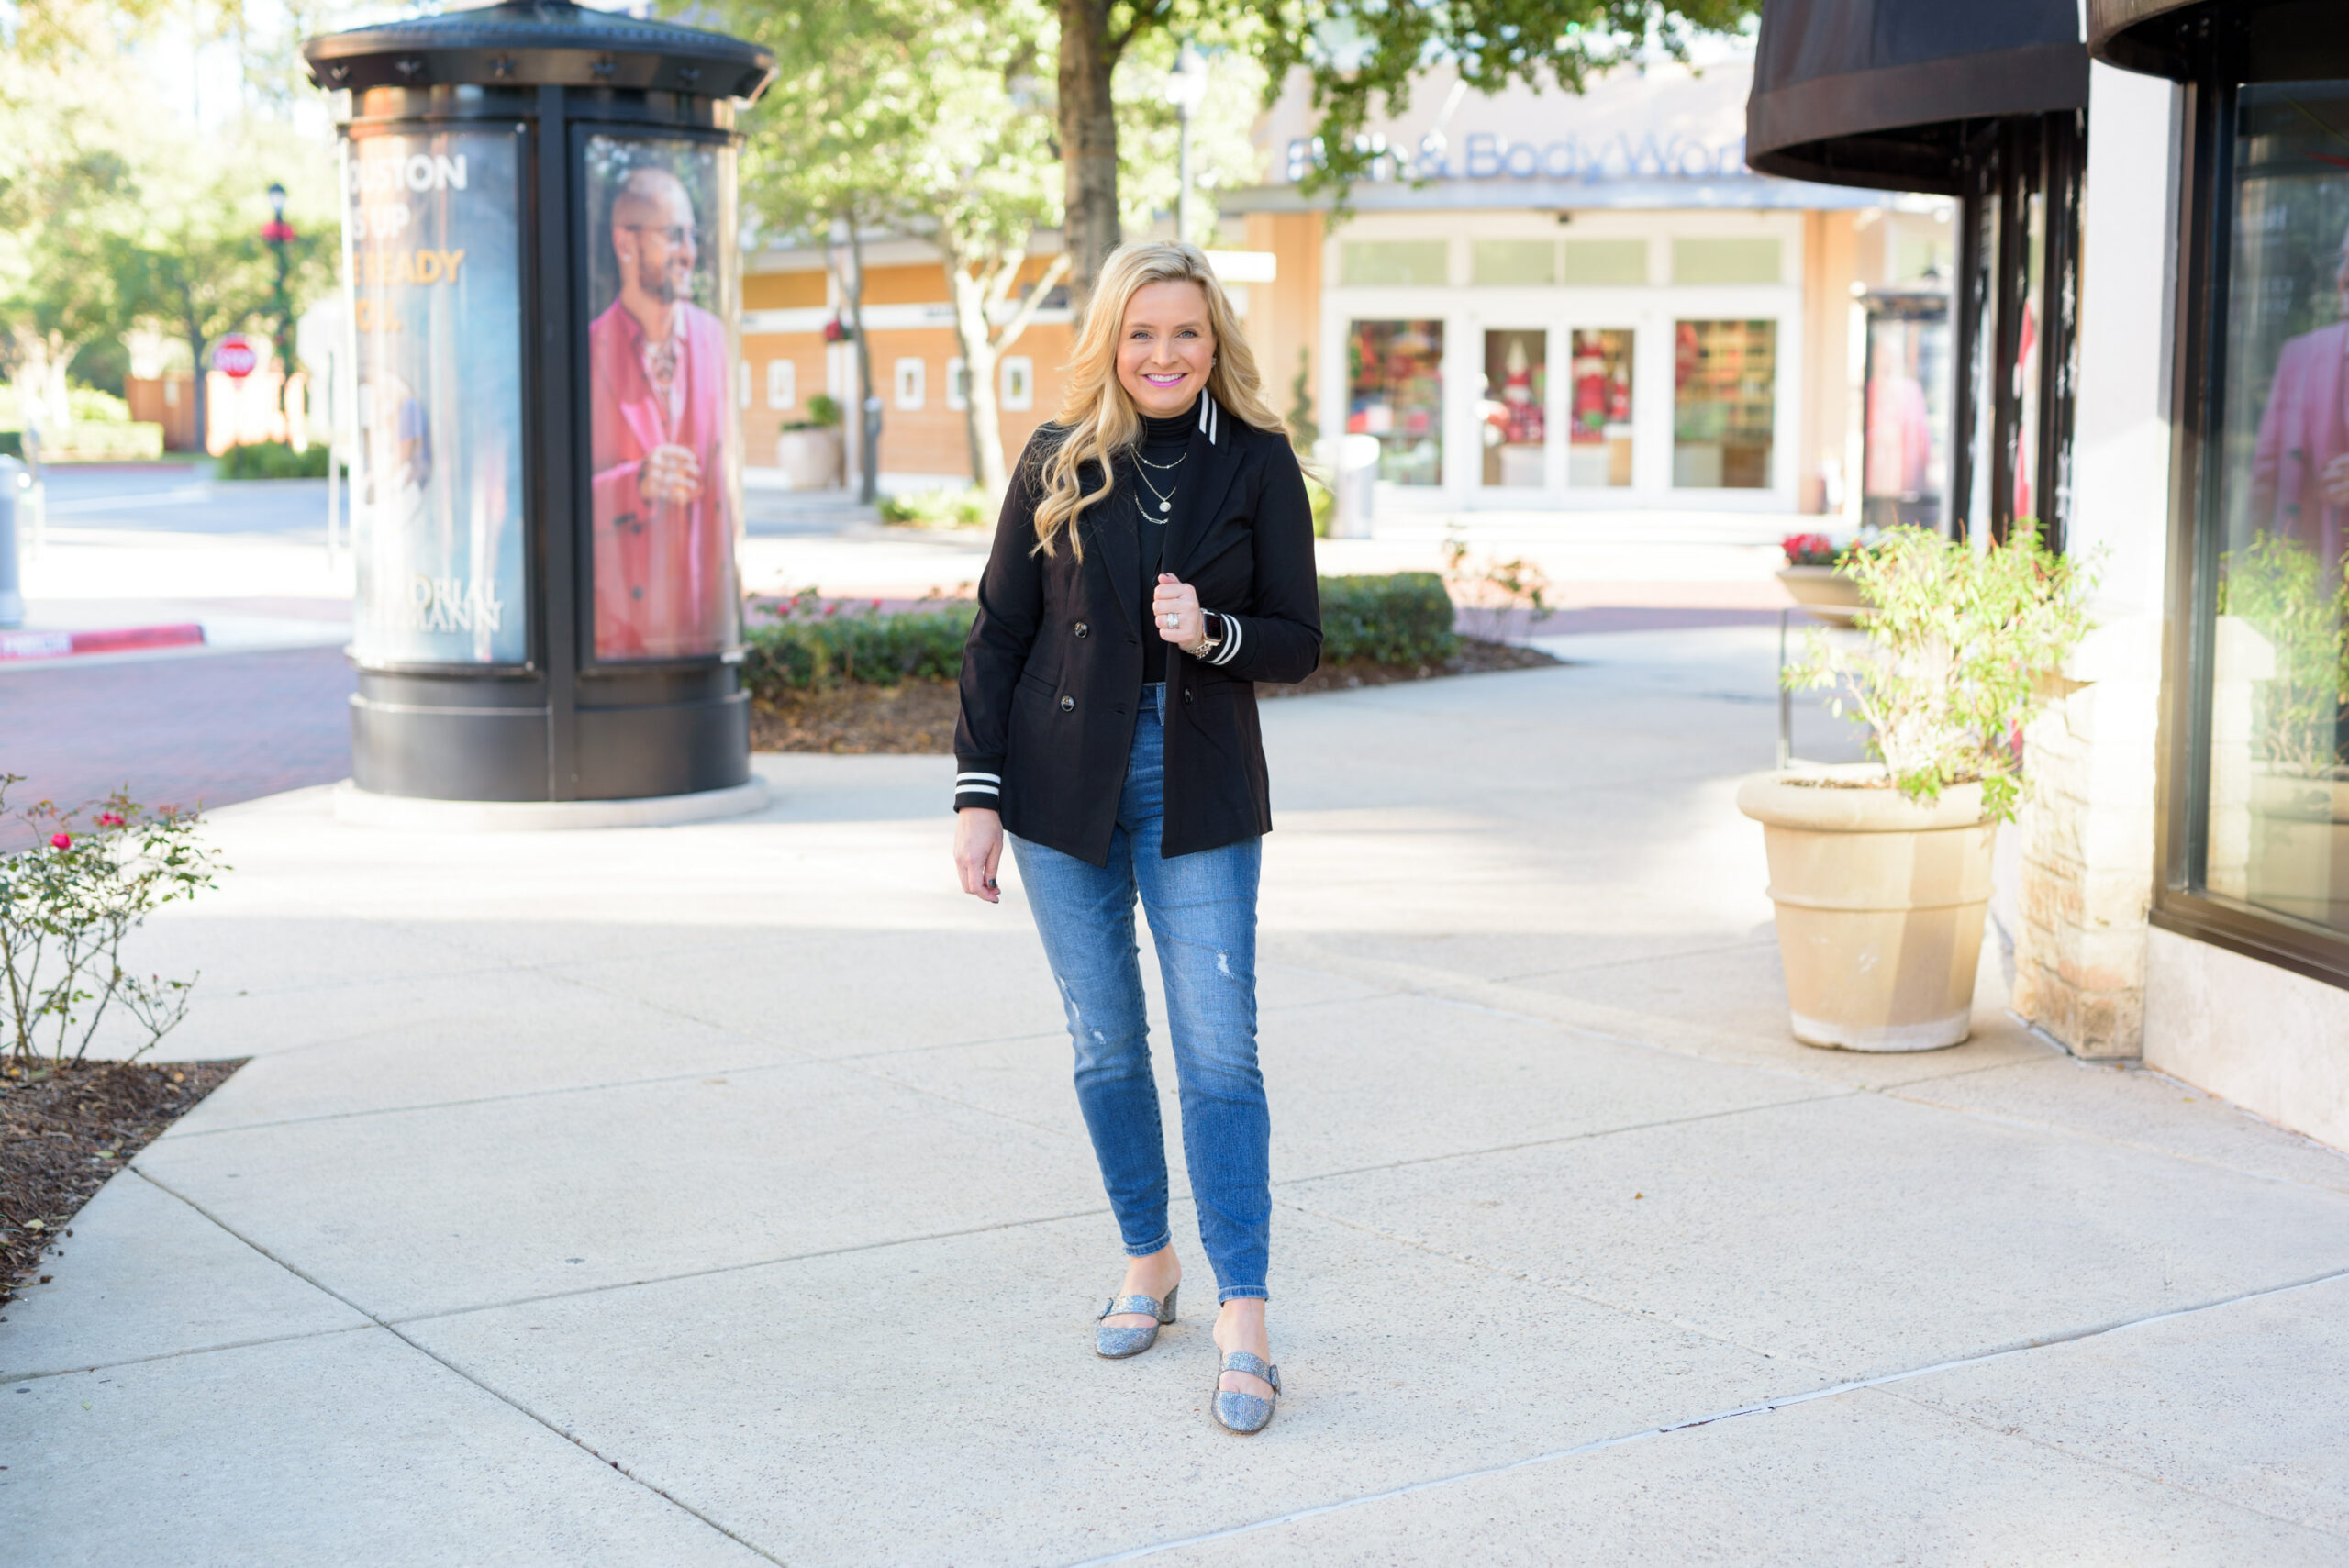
(2272, 41)
(1877, 91)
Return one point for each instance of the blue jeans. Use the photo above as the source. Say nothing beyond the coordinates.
(1202, 910)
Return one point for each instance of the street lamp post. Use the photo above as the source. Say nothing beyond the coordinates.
(279, 233)
(1187, 88)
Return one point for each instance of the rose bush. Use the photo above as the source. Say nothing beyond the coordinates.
(65, 909)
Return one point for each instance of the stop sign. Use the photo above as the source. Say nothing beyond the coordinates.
(235, 356)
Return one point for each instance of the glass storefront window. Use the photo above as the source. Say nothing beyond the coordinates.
(1598, 429)
(1905, 461)
(1388, 264)
(1513, 411)
(1724, 404)
(1755, 261)
(1604, 263)
(1513, 262)
(2276, 730)
(1395, 392)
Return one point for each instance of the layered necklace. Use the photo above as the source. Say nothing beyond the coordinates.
(1167, 496)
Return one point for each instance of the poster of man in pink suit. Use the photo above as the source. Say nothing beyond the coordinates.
(2299, 469)
(661, 425)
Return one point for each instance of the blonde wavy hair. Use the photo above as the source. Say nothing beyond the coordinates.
(1097, 417)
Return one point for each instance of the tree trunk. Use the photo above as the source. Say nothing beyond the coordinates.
(200, 382)
(868, 416)
(1088, 132)
(982, 420)
(58, 393)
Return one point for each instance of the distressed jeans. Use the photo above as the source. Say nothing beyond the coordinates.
(1202, 912)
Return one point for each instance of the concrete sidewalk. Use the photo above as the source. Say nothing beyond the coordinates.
(717, 1194)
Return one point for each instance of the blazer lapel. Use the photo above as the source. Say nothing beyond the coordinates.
(1110, 541)
(1213, 462)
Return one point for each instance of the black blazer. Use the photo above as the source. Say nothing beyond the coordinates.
(1051, 672)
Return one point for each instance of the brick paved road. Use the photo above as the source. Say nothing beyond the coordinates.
(211, 729)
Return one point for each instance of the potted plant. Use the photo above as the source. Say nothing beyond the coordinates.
(1880, 871)
(808, 450)
(1812, 580)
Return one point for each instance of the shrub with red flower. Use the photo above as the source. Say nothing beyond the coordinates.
(1809, 550)
(65, 910)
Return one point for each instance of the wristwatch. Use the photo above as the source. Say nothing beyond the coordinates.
(1205, 645)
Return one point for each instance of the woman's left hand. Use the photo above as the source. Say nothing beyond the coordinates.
(1175, 608)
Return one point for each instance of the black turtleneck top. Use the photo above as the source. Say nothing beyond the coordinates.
(1155, 471)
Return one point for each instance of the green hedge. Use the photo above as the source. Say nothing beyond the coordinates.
(937, 508)
(1405, 618)
(273, 460)
(807, 648)
(1402, 617)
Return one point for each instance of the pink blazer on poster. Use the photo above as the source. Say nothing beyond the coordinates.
(664, 572)
(2302, 431)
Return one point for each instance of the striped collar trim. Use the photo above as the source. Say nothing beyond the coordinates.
(1211, 418)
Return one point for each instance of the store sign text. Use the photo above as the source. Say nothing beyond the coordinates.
(1487, 156)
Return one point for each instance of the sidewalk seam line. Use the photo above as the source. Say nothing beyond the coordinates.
(1759, 1407)
(464, 1376)
(756, 1264)
(1568, 1138)
(2035, 1441)
(1901, 1091)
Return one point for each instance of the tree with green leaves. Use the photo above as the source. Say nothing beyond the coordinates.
(199, 268)
(936, 118)
(107, 224)
(1362, 56)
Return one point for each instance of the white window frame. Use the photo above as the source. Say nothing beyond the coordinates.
(783, 383)
(958, 371)
(742, 383)
(1016, 384)
(1650, 311)
(910, 379)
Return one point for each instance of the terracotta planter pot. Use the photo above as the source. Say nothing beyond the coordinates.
(810, 459)
(1880, 904)
(1818, 589)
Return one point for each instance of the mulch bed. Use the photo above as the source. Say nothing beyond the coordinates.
(919, 716)
(63, 1133)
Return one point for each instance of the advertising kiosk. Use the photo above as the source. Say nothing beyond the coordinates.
(546, 482)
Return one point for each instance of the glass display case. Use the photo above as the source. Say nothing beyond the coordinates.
(1725, 380)
(1394, 393)
(1513, 413)
(1599, 438)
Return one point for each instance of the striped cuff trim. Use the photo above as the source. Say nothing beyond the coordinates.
(978, 778)
(1232, 637)
(963, 789)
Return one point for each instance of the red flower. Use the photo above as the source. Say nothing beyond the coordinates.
(110, 819)
(61, 840)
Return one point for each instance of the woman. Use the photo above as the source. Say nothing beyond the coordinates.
(1154, 559)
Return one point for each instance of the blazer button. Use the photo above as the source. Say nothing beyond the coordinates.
(1068, 705)
(1186, 695)
(1083, 630)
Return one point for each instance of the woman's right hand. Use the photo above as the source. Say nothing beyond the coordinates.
(979, 848)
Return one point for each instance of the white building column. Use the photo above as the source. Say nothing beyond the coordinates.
(2088, 830)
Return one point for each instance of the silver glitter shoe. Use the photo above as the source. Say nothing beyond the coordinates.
(1244, 1413)
(1118, 1344)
